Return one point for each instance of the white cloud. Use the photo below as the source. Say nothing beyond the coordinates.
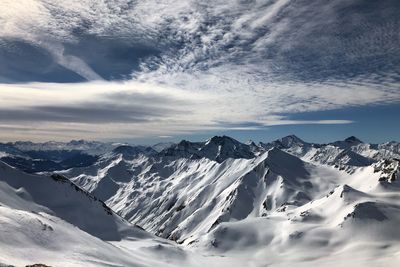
(285, 38)
(131, 109)
(211, 65)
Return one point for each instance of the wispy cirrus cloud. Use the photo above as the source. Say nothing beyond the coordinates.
(283, 39)
(172, 67)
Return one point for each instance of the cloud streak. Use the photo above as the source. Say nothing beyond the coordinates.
(172, 67)
(133, 109)
(293, 40)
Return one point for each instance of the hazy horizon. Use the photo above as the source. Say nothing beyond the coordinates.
(197, 138)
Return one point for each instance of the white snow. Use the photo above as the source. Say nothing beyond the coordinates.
(223, 207)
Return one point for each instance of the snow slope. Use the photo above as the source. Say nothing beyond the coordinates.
(51, 221)
(355, 224)
(33, 238)
(60, 197)
(134, 187)
(346, 154)
(285, 203)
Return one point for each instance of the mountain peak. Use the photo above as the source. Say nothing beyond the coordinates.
(290, 140)
(220, 148)
(184, 149)
(292, 137)
(217, 148)
(348, 142)
(220, 140)
(250, 143)
(353, 139)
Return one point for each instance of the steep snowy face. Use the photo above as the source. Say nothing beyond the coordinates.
(389, 169)
(49, 221)
(188, 189)
(59, 197)
(243, 206)
(183, 198)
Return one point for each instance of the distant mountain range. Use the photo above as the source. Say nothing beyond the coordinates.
(51, 156)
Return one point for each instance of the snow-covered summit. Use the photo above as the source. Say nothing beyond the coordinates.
(218, 148)
(289, 141)
(345, 155)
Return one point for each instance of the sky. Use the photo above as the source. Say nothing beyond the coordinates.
(158, 71)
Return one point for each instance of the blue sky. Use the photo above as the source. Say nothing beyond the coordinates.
(372, 124)
(153, 71)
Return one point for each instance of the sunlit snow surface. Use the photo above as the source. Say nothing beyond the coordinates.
(285, 203)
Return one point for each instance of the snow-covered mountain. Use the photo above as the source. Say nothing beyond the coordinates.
(51, 221)
(280, 203)
(161, 146)
(90, 147)
(227, 197)
(38, 161)
(60, 197)
(345, 154)
(217, 148)
(51, 156)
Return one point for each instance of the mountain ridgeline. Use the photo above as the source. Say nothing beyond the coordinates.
(187, 189)
(219, 196)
